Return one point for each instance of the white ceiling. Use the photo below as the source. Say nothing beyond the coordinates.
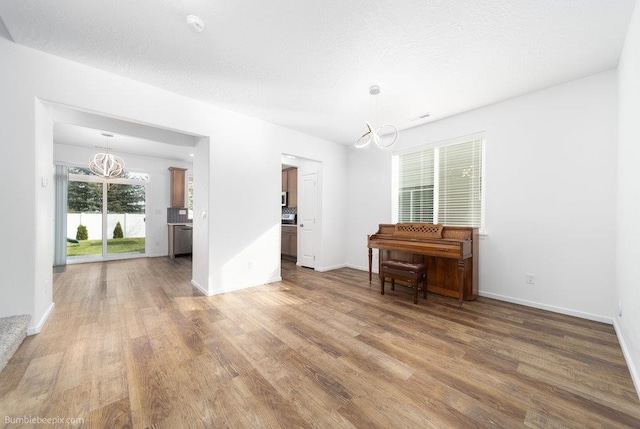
(119, 144)
(308, 65)
(80, 128)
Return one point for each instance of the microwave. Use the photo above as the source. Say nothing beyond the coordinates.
(284, 199)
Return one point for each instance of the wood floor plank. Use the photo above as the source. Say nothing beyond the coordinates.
(113, 415)
(133, 344)
(150, 400)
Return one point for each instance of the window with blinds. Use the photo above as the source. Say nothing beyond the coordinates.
(442, 184)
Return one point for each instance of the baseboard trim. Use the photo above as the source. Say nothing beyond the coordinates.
(247, 286)
(200, 288)
(561, 310)
(37, 328)
(335, 267)
(635, 376)
(157, 255)
(357, 267)
(234, 288)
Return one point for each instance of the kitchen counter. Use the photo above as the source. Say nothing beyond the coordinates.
(179, 223)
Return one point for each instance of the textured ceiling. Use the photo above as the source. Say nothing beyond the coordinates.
(308, 65)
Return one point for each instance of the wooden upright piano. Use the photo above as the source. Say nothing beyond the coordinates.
(450, 254)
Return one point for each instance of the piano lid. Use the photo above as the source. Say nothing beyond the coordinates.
(424, 231)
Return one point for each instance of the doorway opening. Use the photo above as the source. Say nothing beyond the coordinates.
(136, 203)
(301, 214)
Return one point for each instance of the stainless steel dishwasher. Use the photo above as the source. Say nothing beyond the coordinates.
(180, 239)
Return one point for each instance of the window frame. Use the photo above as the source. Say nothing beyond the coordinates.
(395, 175)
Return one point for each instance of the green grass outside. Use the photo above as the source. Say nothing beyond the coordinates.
(114, 245)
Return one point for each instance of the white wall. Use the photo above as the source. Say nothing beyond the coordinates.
(628, 251)
(369, 180)
(44, 219)
(236, 230)
(550, 194)
(200, 253)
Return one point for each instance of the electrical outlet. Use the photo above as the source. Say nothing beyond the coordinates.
(530, 279)
(250, 265)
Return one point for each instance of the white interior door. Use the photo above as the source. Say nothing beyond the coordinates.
(307, 208)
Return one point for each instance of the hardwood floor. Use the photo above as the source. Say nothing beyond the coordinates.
(133, 344)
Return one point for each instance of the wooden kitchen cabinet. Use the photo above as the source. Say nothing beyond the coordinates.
(290, 186)
(289, 240)
(177, 186)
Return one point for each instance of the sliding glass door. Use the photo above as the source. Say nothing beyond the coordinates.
(84, 220)
(125, 219)
(105, 218)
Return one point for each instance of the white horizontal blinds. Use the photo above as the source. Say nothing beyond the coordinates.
(460, 184)
(416, 181)
(442, 184)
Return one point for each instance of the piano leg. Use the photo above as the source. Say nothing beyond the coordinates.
(460, 282)
(370, 261)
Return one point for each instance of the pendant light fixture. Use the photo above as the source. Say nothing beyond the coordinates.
(386, 134)
(106, 164)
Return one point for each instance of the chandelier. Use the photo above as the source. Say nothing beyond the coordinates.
(386, 134)
(105, 164)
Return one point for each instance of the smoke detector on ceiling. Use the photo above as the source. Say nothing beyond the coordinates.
(195, 23)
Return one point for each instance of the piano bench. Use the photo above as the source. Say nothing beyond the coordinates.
(409, 272)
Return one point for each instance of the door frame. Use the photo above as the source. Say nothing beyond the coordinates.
(306, 195)
(306, 165)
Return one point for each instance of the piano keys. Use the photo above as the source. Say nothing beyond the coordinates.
(450, 254)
